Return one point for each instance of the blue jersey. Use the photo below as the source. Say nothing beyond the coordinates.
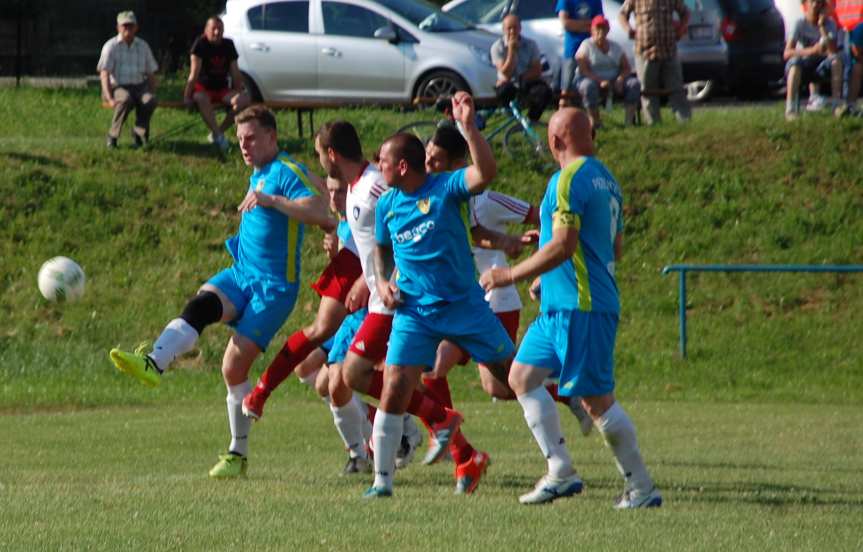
(585, 196)
(268, 245)
(577, 9)
(428, 232)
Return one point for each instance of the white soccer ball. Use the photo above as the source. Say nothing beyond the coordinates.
(61, 279)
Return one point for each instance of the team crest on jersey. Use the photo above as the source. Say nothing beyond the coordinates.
(260, 185)
(423, 205)
(356, 212)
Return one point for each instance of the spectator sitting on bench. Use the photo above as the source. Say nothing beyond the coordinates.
(604, 69)
(213, 59)
(812, 57)
(127, 74)
(519, 69)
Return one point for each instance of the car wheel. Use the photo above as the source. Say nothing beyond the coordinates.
(252, 89)
(698, 91)
(440, 83)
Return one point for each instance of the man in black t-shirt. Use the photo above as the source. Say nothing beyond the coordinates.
(214, 59)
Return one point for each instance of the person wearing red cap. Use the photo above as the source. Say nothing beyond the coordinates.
(656, 61)
(603, 68)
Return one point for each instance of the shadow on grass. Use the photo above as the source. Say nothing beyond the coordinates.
(31, 158)
(765, 494)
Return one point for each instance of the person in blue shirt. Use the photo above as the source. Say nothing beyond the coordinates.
(422, 228)
(257, 293)
(575, 17)
(581, 224)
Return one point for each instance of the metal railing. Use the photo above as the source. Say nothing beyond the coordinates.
(684, 268)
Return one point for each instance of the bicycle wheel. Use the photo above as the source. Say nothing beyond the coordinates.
(520, 145)
(424, 130)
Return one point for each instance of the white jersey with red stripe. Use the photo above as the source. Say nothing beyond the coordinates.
(496, 211)
(361, 202)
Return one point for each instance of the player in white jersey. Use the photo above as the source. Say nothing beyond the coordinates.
(340, 153)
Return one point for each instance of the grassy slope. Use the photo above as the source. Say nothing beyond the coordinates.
(734, 186)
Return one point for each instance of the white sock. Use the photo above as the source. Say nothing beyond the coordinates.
(237, 421)
(310, 378)
(177, 338)
(542, 418)
(619, 434)
(364, 408)
(349, 423)
(387, 437)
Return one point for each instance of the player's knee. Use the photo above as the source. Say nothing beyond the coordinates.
(204, 309)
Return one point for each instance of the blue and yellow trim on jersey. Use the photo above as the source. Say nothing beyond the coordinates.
(293, 237)
(563, 217)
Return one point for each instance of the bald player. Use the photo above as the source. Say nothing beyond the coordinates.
(573, 338)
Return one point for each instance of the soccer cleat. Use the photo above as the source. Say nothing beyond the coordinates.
(549, 489)
(633, 499)
(442, 433)
(585, 422)
(411, 440)
(357, 465)
(229, 466)
(137, 365)
(253, 403)
(468, 474)
(378, 492)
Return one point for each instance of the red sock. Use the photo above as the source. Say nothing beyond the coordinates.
(460, 450)
(426, 407)
(376, 384)
(294, 351)
(439, 389)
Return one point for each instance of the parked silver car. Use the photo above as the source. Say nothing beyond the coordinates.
(365, 51)
(703, 53)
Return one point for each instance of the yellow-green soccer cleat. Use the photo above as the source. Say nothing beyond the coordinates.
(138, 365)
(229, 466)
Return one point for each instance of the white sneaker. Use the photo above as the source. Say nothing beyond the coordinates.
(411, 440)
(816, 103)
(635, 499)
(211, 138)
(585, 422)
(549, 489)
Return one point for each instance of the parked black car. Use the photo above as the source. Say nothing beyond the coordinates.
(755, 33)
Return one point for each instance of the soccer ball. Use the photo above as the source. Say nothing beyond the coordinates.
(61, 279)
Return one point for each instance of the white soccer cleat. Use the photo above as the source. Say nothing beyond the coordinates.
(634, 499)
(411, 440)
(549, 489)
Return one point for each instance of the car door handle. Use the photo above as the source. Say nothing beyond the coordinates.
(259, 46)
(332, 52)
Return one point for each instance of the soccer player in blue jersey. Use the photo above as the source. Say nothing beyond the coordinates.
(581, 223)
(421, 227)
(257, 293)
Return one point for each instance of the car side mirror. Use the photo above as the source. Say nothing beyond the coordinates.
(387, 33)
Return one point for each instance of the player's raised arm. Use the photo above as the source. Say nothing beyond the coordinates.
(484, 167)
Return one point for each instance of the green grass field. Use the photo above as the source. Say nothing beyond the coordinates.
(754, 439)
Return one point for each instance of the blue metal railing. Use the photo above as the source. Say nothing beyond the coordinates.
(684, 268)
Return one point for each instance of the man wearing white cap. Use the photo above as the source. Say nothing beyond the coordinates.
(127, 73)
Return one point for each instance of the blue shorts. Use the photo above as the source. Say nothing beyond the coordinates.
(262, 306)
(577, 346)
(345, 336)
(470, 324)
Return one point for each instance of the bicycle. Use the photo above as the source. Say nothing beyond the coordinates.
(522, 138)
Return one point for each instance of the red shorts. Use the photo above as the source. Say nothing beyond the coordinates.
(336, 280)
(510, 320)
(217, 97)
(373, 336)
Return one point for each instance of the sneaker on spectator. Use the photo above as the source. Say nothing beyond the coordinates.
(791, 115)
(111, 142)
(816, 102)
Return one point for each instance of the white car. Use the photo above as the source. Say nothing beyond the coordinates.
(361, 51)
(703, 53)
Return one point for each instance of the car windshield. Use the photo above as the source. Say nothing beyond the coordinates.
(426, 16)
